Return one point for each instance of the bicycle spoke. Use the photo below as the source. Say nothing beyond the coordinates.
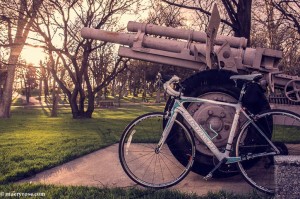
(161, 169)
(148, 166)
(168, 168)
(173, 162)
(139, 157)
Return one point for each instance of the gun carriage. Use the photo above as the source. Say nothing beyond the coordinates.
(215, 58)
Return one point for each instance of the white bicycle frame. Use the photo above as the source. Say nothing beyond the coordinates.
(178, 108)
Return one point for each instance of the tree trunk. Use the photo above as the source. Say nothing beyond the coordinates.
(5, 101)
(244, 20)
(78, 112)
(55, 102)
(105, 93)
(27, 93)
(40, 88)
(91, 106)
(144, 95)
(74, 106)
(157, 100)
(46, 88)
(113, 88)
(24, 23)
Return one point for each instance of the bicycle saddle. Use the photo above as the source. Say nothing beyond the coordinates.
(252, 77)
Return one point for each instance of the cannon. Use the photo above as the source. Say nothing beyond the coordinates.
(214, 58)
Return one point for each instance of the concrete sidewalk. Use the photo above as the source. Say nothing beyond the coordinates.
(102, 168)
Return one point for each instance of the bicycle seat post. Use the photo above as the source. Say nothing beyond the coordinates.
(243, 91)
(247, 79)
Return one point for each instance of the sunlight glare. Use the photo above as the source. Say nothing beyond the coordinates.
(33, 55)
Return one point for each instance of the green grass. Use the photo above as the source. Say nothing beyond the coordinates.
(287, 134)
(51, 191)
(31, 141)
(17, 102)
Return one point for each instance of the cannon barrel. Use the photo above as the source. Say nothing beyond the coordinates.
(236, 42)
(183, 53)
(128, 39)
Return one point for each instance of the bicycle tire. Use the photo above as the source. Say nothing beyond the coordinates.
(285, 131)
(143, 164)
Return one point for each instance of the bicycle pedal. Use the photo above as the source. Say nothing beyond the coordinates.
(208, 176)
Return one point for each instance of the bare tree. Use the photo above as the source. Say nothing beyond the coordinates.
(164, 14)
(19, 17)
(75, 53)
(290, 10)
(238, 12)
(100, 63)
(271, 29)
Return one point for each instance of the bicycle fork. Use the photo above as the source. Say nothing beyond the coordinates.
(166, 131)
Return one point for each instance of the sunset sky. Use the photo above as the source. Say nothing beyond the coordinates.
(34, 55)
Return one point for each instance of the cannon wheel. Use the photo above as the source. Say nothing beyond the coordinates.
(214, 84)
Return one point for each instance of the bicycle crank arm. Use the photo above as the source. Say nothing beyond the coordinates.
(210, 174)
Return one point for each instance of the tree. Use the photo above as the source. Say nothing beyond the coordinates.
(276, 24)
(165, 15)
(30, 81)
(272, 29)
(238, 12)
(101, 62)
(19, 17)
(290, 10)
(44, 79)
(75, 53)
(3, 74)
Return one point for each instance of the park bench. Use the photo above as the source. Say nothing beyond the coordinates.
(106, 103)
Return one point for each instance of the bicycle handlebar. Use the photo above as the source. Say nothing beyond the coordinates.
(169, 89)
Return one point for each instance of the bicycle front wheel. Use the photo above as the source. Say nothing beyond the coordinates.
(145, 165)
(283, 128)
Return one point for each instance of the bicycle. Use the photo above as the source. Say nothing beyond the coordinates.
(151, 157)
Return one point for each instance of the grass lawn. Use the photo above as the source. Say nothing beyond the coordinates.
(31, 141)
(50, 191)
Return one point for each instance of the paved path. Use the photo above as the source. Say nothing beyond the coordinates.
(102, 168)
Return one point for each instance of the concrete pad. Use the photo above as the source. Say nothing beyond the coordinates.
(102, 168)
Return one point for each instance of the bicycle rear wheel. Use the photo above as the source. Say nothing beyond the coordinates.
(284, 126)
(143, 164)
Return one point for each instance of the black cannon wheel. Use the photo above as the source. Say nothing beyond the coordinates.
(214, 84)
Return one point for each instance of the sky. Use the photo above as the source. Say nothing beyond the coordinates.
(34, 55)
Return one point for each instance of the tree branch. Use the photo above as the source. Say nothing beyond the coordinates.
(288, 15)
(196, 8)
